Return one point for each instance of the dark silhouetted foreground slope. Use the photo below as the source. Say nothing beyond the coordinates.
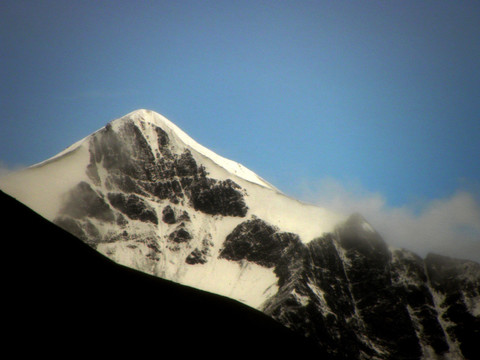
(63, 297)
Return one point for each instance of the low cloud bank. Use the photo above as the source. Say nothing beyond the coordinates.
(449, 226)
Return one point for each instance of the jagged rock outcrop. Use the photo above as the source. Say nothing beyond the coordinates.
(213, 197)
(258, 242)
(127, 173)
(200, 255)
(456, 284)
(351, 293)
(134, 167)
(168, 215)
(132, 206)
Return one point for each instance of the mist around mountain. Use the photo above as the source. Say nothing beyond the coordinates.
(144, 194)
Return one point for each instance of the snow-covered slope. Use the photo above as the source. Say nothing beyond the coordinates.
(101, 169)
(146, 195)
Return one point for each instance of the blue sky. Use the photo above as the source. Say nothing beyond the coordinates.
(380, 98)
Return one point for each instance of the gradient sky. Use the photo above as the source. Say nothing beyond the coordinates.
(384, 95)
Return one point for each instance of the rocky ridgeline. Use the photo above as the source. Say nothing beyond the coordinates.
(347, 290)
(134, 173)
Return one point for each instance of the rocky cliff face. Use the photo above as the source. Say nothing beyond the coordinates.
(361, 300)
(152, 199)
(141, 201)
(127, 175)
(352, 293)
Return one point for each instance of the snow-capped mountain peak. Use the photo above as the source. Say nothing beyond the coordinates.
(150, 117)
(146, 195)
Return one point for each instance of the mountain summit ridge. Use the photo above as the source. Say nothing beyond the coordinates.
(144, 194)
(161, 121)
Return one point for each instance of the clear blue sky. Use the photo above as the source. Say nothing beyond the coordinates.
(383, 93)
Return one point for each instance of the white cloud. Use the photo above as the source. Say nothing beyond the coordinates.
(449, 226)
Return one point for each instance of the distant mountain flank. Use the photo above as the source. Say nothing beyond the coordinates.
(145, 195)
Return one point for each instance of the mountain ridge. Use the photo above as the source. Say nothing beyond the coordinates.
(145, 198)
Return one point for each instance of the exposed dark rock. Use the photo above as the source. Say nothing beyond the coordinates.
(185, 182)
(175, 200)
(256, 241)
(314, 299)
(126, 152)
(82, 201)
(132, 168)
(153, 256)
(199, 256)
(218, 197)
(180, 236)
(449, 275)
(170, 189)
(119, 181)
(186, 165)
(346, 287)
(155, 251)
(457, 280)
(168, 215)
(368, 269)
(81, 228)
(120, 220)
(418, 297)
(356, 240)
(184, 216)
(324, 267)
(196, 257)
(162, 138)
(133, 206)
